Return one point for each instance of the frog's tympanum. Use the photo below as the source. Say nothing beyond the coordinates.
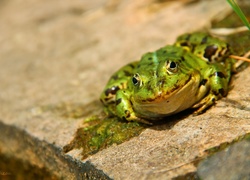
(194, 72)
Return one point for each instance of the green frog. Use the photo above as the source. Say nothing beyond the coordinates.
(194, 72)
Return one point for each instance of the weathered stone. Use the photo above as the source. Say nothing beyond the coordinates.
(60, 51)
(47, 158)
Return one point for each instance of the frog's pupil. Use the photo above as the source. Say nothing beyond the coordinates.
(135, 81)
(172, 65)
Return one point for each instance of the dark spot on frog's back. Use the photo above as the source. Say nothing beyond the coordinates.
(173, 52)
(184, 44)
(210, 51)
(204, 40)
(115, 77)
(161, 82)
(111, 90)
(187, 37)
(150, 58)
(218, 74)
(149, 88)
(151, 63)
(127, 73)
(107, 98)
(118, 101)
(132, 66)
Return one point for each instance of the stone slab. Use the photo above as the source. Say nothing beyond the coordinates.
(65, 51)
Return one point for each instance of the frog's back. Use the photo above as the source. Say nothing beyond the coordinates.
(208, 48)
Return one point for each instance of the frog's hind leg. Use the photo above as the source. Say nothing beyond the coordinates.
(205, 103)
(218, 81)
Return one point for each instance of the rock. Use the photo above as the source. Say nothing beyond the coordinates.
(231, 163)
(63, 52)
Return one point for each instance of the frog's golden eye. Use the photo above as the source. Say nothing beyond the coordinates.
(172, 67)
(136, 79)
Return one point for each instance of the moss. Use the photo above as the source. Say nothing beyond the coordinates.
(100, 133)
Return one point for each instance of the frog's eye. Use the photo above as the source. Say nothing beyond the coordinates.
(136, 79)
(172, 67)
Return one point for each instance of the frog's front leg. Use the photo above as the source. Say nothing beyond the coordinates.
(124, 107)
(217, 78)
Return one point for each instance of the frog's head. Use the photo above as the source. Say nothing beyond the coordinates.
(164, 83)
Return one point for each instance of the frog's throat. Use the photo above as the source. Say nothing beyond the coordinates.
(167, 104)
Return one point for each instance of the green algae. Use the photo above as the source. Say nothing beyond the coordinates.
(97, 134)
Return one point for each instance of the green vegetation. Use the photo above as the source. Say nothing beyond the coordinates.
(98, 133)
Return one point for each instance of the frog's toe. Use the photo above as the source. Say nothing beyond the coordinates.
(131, 116)
(204, 104)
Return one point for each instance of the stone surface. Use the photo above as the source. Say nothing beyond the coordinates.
(27, 157)
(231, 163)
(55, 51)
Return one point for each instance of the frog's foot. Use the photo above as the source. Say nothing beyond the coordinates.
(137, 119)
(205, 103)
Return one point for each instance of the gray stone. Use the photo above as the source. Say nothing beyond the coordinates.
(232, 163)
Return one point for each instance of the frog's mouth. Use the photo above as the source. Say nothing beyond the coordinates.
(168, 103)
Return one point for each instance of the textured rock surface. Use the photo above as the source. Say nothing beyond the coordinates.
(232, 163)
(56, 51)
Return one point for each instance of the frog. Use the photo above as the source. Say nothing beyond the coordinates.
(192, 73)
